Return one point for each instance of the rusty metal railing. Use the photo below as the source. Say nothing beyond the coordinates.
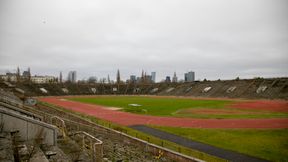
(93, 143)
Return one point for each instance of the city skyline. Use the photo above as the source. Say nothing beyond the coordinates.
(217, 39)
(71, 76)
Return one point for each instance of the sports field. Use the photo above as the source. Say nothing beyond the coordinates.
(254, 127)
(191, 108)
(178, 112)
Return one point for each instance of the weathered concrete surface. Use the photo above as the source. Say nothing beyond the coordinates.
(28, 128)
(6, 150)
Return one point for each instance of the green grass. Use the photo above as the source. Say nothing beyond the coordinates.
(143, 136)
(152, 106)
(269, 144)
(160, 106)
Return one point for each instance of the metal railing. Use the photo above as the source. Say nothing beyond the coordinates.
(92, 143)
(59, 123)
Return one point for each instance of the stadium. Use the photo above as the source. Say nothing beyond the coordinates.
(158, 122)
(143, 81)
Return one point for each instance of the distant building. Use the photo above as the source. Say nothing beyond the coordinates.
(148, 79)
(133, 79)
(189, 77)
(108, 79)
(60, 77)
(174, 79)
(10, 77)
(142, 77)
(26, 74)
(168, 80)
(72, 77)
(139, 80)
(153, 75)
(18, 75)
(118, 76)
(43, 79)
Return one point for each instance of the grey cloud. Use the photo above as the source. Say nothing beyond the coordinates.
(217, 39)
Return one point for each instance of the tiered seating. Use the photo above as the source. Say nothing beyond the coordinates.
(34, 140)
(10, 98)
(6, 147)
(246, 88)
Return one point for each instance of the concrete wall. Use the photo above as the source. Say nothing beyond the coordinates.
(29, 128)
(21, 111)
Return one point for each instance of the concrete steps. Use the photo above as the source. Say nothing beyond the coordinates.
(6, 149)
(73, 151)
(55, 154)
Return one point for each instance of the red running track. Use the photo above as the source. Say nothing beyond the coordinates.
(127, 119)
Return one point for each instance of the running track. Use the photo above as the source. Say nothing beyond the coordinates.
(128, 119)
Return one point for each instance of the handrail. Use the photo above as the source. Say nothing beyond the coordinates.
(62, 127)
(95, 144)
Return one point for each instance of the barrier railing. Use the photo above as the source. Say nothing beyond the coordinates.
(93, 143)
(57, 121)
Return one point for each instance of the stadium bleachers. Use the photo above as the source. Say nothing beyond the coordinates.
(36, 135)
(275, 88)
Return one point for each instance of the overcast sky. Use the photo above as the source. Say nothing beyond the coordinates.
(215, 38)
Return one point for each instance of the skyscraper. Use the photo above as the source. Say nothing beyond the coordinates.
(118, 76)
(72, 76)
(190, 76)
(60, 77)
(153, 75)
(174, 79)
(108, 79)
(167, 80)
(132, 78)
(18, 74)
(27, 74)
(142, 77)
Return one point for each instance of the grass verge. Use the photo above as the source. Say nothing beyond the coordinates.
(270, 144)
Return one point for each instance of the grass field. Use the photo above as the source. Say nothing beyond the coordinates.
(178, 107)
(269, 144)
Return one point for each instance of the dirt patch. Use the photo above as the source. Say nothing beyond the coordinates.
(112, 108)
(126, 119)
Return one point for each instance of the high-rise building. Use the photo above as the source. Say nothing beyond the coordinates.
(142, 77)
(108, 79)
(18, 74)
(118, 76)
(148, 79)
(27, 74)
(153, 75)
(132, 78)
(60, 77)
(72, 77)
(174, 79)
(190, 76)
(168, 80)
